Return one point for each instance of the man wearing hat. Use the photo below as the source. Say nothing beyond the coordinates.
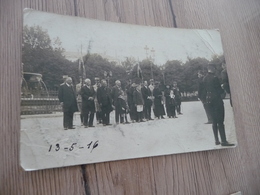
(216, 105)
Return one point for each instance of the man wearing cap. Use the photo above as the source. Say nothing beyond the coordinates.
(202, 95)
(88, 105)
(225, 80)
(216, 105)
(67, 98)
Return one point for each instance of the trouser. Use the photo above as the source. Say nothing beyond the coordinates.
(147, 111)
(170, 109)
(178, 108)
(80, 110)
(217, 112)
(68, 119)
(132, 111)
(139, 116)
(207, 110)
(118, 115)
(88, 118)
(99, 116)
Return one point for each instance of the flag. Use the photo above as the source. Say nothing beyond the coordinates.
(82, 70)
(139, 72)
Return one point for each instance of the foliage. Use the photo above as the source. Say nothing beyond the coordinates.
(45, 56)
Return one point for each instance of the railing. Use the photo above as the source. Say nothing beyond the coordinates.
(40, 105)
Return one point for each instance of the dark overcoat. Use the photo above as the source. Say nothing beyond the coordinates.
(67, 95)
(104, 99)
(88, 96)
(146, 92)
(213, 97)
(138, 98)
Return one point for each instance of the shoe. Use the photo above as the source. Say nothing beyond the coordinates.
(226, 144)
(150, 119)
(91, 126)
(127, 122)
(65, 128)
(72, 128)
(175, 117)
(86, 126)
(162, 117)
(180, 113)
(217, 142)
(208, 122)
(108, 124)
(142, 121)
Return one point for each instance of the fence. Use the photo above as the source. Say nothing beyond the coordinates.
(41, 105)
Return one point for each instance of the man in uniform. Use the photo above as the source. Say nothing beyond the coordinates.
(202, 96)
(225, 80)
(216, 105)
(67, 98)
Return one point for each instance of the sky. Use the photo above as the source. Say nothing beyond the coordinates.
(117, 41)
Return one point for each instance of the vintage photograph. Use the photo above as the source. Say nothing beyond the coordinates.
(95, 91)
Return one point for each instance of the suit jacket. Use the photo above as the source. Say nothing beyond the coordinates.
(168, 98)
(88, 103)
(157, 93)
(202, 90)
(67, 95)
(138, 98)
(104, 96)
(116, 92)
(146, 92)
(213, 88)
(225, 81)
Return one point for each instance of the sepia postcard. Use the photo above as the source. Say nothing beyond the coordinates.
(95, 91)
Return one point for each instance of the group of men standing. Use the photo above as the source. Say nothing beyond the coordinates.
(138, 100)
(210, 93)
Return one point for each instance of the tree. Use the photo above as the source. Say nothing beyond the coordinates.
(41, 55)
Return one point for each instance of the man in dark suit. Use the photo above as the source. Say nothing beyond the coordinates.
(216, 105)
(225, 80)
(105, 102)
(158, 101)
(67, 97)
(147, 96)
(139, 103)
(116, 92)
(202, 95)
(88, 104)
